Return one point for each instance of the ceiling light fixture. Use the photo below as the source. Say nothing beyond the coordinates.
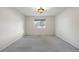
(40, 10)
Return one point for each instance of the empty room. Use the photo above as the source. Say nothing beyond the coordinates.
(39, 29)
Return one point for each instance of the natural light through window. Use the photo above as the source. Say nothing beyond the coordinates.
(40, 23)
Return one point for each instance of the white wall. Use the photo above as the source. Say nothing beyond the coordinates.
(11, 26)
(30, 29)
(67, 26)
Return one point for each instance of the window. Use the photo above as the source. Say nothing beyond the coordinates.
(40, 23)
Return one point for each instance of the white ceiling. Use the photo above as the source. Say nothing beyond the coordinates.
(50, 11)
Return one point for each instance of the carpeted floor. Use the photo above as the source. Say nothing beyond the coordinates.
(40, 44)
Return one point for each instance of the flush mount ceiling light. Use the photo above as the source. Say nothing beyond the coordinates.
(40, 10)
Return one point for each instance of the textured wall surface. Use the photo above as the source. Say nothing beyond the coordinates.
(30, 29)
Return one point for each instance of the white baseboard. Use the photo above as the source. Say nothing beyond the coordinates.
(70, 42)
(6, 45)
(40, 35)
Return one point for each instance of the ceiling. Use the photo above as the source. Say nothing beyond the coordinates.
(31, 11)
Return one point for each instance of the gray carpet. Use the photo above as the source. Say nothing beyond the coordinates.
(40, 44)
